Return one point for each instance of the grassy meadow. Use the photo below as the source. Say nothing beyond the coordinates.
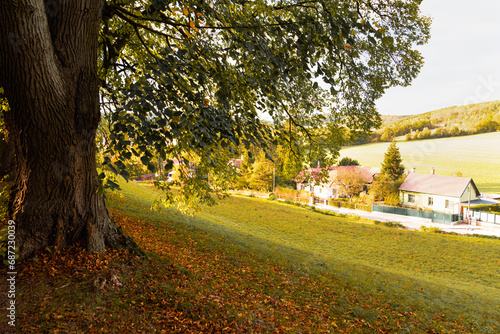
(251, 265)
(476, 156)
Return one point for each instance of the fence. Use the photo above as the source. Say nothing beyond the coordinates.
(436, 217)
(487, 217)
(297, 199)
(354, 206)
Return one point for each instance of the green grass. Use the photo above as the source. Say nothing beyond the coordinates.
(253, 265)
(455, 274)
(476, 156)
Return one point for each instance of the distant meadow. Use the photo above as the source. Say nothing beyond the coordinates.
(476, 156)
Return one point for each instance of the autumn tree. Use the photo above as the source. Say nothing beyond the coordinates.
(349, 182)
(262, 172)
(289, 163)
(187, 79)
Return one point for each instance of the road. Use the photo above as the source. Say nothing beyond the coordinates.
(414, 223)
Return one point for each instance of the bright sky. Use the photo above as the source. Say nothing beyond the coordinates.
(462, 59)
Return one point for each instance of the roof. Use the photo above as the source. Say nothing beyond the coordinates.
(314, 172)
(482, 201)
(367, 172)
(452, 186)
(146, 176)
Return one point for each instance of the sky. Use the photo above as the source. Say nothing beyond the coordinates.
(462, 59)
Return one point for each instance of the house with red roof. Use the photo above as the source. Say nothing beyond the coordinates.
(449, 194)
(322, 182)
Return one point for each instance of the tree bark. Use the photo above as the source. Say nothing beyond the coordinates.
(48, 69)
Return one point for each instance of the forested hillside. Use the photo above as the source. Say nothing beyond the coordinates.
(447, 122)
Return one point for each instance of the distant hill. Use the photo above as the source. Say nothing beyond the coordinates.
(391, 118)
(446, 122)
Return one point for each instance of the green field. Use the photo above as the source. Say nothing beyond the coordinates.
(476, 156)
(422, 272)
(251, 265)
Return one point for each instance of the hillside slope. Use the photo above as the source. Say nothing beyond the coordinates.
(447, 122)
(452, 121)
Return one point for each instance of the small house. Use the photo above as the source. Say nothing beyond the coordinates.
(449, 194)
(322, 182)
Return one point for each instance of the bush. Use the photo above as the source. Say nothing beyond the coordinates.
(364, 207)
(390, 224)
(273, 197)
(431, 229)
(349, 205)
(338, 204)
(334, 203)
(392, 199)
(346, 161)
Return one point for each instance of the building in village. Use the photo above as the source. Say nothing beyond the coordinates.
(322, 182)
(449, 194)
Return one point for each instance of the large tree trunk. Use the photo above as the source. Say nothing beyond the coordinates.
(48, 67)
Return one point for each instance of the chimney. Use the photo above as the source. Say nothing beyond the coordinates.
(433, 171)
(413, 170)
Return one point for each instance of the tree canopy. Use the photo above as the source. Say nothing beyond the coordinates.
(346, 161)
(193, 79)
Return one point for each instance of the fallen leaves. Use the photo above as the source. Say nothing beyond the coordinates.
(192, 283)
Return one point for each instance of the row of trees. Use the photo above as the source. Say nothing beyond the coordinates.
(447, 122)
(426, 133)
(426, 130)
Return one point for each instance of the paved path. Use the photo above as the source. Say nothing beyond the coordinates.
(414, 223)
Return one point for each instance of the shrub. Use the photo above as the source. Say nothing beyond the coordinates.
(395, 225)
(431, 229)
(392, 199)
(390, 224)
(273, 197)
(346, 161)
(364, 207)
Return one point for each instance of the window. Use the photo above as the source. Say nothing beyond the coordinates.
(430, 201)
(411, 198)
(447, 204)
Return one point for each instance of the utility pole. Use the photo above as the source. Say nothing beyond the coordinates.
(274, 178)
(468, 210)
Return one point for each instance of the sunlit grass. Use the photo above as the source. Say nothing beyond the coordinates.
(256, 266)
(454, 274)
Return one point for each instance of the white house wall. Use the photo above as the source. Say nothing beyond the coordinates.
(439, 202)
